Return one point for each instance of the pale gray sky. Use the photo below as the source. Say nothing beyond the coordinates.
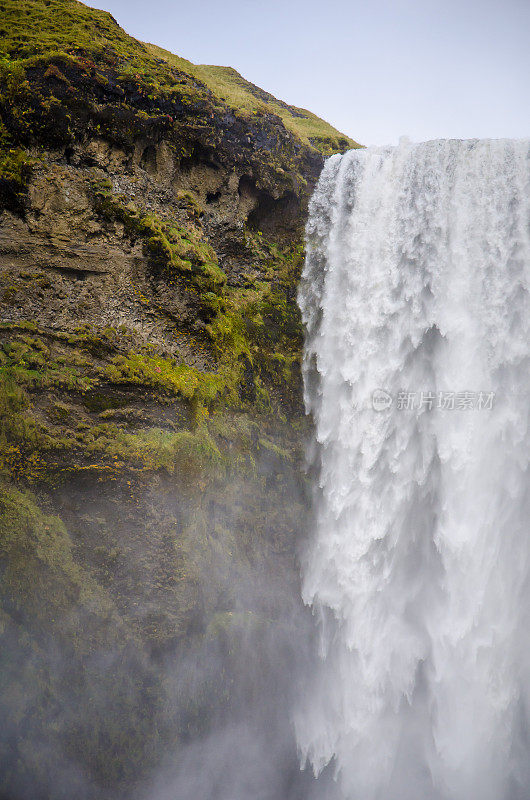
(376, 70)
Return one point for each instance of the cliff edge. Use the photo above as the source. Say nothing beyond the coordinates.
(151, 496)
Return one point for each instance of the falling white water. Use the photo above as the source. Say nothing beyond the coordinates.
(417, 281)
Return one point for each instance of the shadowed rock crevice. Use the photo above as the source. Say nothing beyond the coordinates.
(148, 160)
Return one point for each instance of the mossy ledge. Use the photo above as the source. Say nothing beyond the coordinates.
(151, 422)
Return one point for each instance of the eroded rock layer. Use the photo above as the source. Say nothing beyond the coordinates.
(151, 493)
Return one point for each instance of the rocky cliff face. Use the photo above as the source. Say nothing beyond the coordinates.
(151, 497)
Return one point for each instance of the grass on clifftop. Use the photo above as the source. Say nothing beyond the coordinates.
(227, 84)
(43, 28)
(32, 29)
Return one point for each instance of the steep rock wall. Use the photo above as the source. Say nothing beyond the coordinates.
(150, 446)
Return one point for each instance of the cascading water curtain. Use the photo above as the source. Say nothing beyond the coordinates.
(415, 298)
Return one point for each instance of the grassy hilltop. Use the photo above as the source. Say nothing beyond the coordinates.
(31, 28)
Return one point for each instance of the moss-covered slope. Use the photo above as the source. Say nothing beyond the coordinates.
(32, 28)
(151, 427)
(230, 87)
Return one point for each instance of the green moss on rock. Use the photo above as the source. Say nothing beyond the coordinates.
(179, 250)
(149, 457)
(37, 561)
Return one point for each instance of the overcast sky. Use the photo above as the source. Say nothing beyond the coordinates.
(376, 70)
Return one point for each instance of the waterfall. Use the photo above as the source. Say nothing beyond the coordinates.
(415, 299)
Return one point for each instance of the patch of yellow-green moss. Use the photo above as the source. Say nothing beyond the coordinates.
(26, 361)
(47, 27)
(190, 456)
(246, 98)
(46, 440)
(37, 560)
(39, 31)
(182, 251)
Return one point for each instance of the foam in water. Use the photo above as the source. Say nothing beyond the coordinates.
(416, 281)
